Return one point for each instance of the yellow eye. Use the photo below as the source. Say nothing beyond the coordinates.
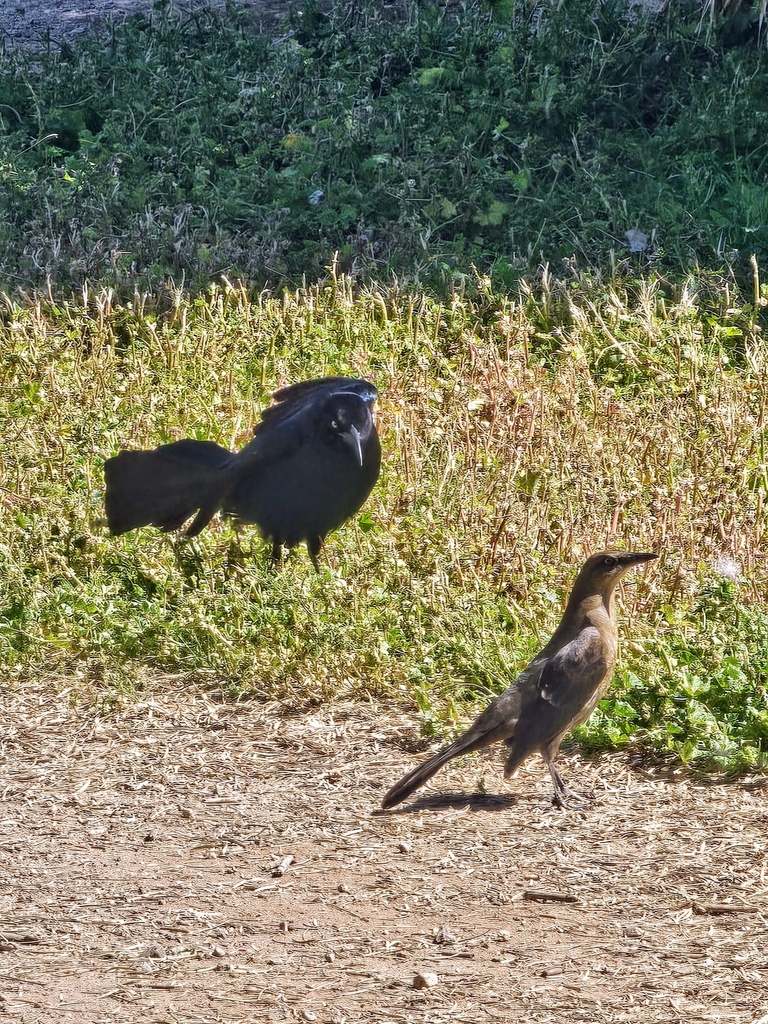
(334, 424)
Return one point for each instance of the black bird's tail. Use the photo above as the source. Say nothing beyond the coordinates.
(166, 486)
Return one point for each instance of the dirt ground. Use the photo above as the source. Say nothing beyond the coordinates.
(144, 875)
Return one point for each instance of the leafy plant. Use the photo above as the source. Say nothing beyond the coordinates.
(425, 144)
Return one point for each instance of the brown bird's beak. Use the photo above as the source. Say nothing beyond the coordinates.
(630, 558)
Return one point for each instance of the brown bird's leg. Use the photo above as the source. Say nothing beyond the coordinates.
(562, 797)
(562, 793)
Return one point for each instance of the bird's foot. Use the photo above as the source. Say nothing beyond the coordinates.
(567, 800)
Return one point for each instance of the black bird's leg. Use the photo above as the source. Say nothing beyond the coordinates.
(277, 553)
(313, 546)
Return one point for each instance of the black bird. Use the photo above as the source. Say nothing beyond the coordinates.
(313, 461)
(557, 691)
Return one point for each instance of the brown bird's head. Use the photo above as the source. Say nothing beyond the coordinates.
(602, 571)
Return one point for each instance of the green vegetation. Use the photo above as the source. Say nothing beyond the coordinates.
(520, 432)
(419, 140)
(465, 151)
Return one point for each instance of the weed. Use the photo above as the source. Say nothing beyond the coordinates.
(519, 432)
(422, 142)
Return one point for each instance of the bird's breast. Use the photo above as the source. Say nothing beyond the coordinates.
(305, 495)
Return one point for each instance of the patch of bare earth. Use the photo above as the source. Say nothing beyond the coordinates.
(186, 860)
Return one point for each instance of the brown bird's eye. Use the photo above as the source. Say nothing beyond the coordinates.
(610, 561)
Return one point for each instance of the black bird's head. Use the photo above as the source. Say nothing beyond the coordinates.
(347, 421)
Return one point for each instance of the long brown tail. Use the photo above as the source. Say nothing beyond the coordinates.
(469, 741)
(418, 776)
(496, 724)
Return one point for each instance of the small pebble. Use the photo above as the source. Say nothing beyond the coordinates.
(280, 865)
(425, 980)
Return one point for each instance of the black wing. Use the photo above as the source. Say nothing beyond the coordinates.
(293, 401)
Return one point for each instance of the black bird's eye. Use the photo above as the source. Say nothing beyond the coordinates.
(334, 424)
(610, 561)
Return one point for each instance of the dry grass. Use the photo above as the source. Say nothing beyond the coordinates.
(520, 434)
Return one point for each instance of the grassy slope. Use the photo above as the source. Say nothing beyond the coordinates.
(519, 433)
(416, 139)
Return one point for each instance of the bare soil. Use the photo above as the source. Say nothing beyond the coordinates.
(144, 875)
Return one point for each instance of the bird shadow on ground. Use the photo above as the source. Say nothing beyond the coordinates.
(453, 801)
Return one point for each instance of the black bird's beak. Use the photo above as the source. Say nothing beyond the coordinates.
(357, 445)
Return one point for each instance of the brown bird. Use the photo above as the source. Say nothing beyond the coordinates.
(557, 691)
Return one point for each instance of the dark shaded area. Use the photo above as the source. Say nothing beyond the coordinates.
(419, 139)
(453, 801)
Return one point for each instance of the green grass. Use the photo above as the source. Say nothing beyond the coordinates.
(519, 432)
(420, 141)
